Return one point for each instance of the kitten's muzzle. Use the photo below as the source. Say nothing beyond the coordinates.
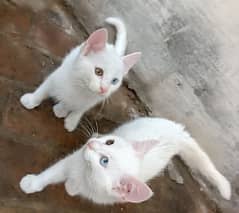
(103, 90)
(91, 145)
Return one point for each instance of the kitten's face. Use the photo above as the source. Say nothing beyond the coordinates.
(108, 158)
(102, 71)
(99, 67)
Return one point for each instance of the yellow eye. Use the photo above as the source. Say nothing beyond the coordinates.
(99, 71)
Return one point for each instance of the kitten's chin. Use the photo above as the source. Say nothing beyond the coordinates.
(104, 95)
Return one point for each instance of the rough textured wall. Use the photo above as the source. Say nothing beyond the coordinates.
(189, 70)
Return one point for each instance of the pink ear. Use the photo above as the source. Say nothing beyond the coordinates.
(130, 60)
(142, 147)
(132, 190)
(96, 41)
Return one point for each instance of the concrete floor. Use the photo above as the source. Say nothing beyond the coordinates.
(32, 42)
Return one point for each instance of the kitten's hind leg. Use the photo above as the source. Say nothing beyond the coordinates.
(72, 120)
(32, 100)
(196, 158)
(60, 110)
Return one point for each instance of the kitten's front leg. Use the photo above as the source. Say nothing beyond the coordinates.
(35, 183)
(31, 183)
(32, 100)
(72, 120)
(60, 110)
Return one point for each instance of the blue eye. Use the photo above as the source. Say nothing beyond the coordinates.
(104, 161)
(115, 81)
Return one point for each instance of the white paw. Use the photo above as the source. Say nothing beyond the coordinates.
(70, 123)
(225, 189)
(30, 184)
(28, 101)
(59, 111)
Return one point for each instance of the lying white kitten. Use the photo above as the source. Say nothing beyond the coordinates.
(88, 74)
(115, 167)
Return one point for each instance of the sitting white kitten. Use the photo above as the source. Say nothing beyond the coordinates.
(115, 168)
(88, 74)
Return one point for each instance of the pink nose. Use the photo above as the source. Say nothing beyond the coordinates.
(90, 145)
(103, 90)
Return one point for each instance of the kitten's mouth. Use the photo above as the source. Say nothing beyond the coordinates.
(102, 94)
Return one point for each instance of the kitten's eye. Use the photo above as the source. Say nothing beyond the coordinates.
(99, 71)
(104, 160)
(109, 142)
(115, 81)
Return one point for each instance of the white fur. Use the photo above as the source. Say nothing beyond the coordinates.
(83, 175)
(75, 86)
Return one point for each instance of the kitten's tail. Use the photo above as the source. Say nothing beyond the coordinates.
(196, 158)
(121, 38)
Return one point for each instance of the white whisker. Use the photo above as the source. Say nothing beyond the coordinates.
(86, 130)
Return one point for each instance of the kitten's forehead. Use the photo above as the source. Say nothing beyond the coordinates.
(108, 60)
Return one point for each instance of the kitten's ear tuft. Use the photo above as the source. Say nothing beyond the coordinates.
(72, 187)
(96, 41)
(132, 190)
(130, 60)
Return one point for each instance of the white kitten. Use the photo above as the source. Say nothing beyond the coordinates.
(115, 167)
(88, 74)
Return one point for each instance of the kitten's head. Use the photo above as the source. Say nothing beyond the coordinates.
(99, 65)
(111, 167)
